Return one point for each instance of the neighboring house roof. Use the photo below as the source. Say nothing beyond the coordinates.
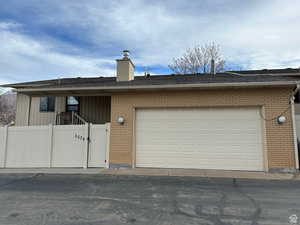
(287, 71)
(231, 78)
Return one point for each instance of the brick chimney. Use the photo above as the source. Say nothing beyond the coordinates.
(125, 68)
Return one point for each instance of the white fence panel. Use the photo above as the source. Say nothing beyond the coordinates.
(28, 147)
(98, 145)
(70, 146)
(2, 145)
(54, 146)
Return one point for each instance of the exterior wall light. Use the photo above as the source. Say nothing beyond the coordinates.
(120, 120)
(281, 119)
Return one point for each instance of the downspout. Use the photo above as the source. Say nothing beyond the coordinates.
(294, 126)
(29, 111)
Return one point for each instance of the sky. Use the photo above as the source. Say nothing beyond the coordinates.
(63, 38)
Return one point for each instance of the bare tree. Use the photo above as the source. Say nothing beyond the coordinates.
(2, 91)
(197, 60)
(7, 108)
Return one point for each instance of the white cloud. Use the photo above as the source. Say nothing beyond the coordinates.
(254, 34)
(267, 37)
(28, 59)
(8, 26)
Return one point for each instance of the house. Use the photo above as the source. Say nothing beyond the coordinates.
(237, 120)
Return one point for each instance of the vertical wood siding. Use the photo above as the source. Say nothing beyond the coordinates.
(45, 118)
(60, 104)
(23, 102)
(95, 109)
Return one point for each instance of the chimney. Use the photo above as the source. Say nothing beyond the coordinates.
(212, 67)
(125, 68)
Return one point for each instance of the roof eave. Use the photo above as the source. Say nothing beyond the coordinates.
(164, 87)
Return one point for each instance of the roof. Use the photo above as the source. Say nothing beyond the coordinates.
(289, 71)
(233, 78)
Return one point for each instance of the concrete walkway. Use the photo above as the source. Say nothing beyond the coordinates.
(158, 172)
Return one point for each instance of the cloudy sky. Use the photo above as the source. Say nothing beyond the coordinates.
(64, 38)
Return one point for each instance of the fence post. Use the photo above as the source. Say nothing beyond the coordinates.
(5, 145)
(107, 144)
(50, 144)
(72, 117)
(86, 149)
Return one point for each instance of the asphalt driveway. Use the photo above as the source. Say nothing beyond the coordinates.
(105, 199)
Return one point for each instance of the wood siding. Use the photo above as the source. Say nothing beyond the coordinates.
(23, 103)
(95, 109)
(45, 118)
(274, 101)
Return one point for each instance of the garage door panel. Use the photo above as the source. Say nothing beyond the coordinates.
(216, 122)
(195, 150)
(233, 112)
(221, 165)
(195, 162)
(203, 151)
(202, 138)
(210, 127)
(199, 155)
(216, 138)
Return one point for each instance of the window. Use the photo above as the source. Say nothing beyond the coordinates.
(47, 104)
(72, 104)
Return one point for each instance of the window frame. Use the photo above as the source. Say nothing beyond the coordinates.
(78, 105)
(50, 107)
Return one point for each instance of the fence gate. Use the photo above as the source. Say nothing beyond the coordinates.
(99, 141)
(54, 146)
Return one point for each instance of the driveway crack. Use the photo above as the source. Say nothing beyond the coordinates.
(256, 214)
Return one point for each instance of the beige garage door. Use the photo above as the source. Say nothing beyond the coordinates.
(202, 138)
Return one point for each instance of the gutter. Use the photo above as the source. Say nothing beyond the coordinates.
(168, 86)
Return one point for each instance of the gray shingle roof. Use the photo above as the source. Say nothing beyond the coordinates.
(269, 71)
(154, 80)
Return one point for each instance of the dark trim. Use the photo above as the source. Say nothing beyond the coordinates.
(48, 105)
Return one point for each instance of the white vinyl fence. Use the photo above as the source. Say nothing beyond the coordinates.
(54, 146)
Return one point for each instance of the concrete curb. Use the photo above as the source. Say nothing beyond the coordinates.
(203, 173)
(159, 172)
